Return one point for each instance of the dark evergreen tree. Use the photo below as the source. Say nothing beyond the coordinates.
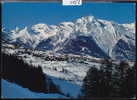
(123, 82)
(90, 86)
(129, 84)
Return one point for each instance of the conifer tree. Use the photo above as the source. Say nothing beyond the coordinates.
(91, 83)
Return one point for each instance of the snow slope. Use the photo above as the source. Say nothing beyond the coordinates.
(74, 69)
(14, 91)
(68, 88)
(67, 74)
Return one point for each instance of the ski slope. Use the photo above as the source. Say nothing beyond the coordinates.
(13, 91)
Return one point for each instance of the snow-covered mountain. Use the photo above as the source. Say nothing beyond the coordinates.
(85, 36)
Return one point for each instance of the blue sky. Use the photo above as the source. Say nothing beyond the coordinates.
(28, 14)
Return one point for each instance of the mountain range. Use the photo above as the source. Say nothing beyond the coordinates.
(85, 36)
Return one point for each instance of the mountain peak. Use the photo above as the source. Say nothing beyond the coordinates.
(89, 18)
(86, 19)
(41, 28)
